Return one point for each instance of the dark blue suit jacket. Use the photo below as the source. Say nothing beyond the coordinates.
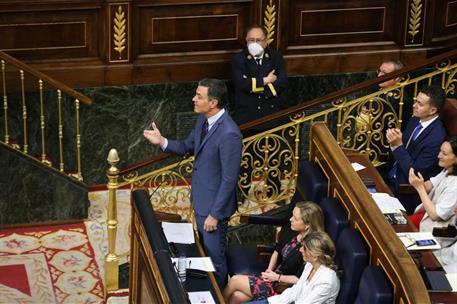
(216, 166)
(421, 154)
(252, 99)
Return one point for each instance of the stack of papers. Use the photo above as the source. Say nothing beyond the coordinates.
(181, 233)
(387, 203)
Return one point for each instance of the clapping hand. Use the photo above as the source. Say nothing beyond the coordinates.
(394, 137)
(415, 180)
(154, 136)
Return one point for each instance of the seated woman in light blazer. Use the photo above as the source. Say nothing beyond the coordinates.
(439, 194)
(286, 262)
(319, 282)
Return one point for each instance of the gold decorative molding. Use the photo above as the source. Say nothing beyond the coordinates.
(119, 26)
(269, 21)
(415, 13)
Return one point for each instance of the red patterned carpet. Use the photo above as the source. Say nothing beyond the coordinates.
(48, 264)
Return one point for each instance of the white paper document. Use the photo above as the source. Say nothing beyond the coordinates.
(181, 233)
(201, 297)
(357, 166)
(387, 203)
(452, 278)
(409, 240)
(203, 263)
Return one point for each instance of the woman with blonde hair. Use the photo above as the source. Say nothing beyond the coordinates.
(286, 262)
(319, 282)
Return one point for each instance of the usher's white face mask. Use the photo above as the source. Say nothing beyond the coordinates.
(255, 49)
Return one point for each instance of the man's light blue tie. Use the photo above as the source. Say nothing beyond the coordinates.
(414, 134)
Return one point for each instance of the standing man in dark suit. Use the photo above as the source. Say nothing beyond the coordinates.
(419, 146)
(259, 78)
(216, 145)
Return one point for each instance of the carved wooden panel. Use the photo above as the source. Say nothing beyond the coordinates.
(199, 28)
(119, 32)
(109, 42)
(49, 34)
(445, 21)
(339, 23)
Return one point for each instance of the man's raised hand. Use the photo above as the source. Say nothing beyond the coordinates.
(154, 136)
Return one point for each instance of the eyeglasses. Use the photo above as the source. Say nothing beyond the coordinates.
(255, 39)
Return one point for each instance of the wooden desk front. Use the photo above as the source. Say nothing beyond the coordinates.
(428, 259)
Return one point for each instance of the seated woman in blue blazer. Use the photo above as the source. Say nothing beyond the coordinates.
(286, 262)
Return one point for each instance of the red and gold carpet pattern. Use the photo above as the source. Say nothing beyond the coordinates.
(48, 264)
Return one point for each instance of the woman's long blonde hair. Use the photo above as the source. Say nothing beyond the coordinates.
(311, 214)
(320, 245)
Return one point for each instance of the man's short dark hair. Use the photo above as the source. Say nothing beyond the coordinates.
(436, 94)
(256, 26)
(216, 90)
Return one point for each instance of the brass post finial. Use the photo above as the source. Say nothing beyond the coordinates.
(113, 159)
(111, 259)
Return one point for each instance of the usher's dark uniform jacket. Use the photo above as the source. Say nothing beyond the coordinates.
(252, 99)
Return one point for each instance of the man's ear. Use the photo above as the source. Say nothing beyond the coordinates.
(216, 102)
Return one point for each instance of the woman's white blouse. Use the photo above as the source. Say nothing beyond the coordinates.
(322, 289)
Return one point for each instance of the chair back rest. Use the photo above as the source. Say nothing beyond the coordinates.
(334, 217)
(312, 183)
(374, 287)
(352, 258)
(448, 116)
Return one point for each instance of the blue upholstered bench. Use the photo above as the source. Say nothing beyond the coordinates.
(352, 258)
(374, 287)
(334, 217)
(312, 183)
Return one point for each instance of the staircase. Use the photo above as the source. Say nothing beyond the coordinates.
(40, 143)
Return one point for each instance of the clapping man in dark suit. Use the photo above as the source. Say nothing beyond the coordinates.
(216, 145)
(419, 146)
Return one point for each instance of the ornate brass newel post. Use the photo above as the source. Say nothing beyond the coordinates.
(5, 103)
(111, 259)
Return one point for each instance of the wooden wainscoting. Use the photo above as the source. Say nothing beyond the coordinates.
(94, 43)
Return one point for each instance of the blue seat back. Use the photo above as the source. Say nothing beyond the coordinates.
(334, 217)
(374, 287)
(352, 258)
(311, 183)
(244, 259)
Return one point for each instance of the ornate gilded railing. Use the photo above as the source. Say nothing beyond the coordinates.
(40, 115)
(270, 159)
